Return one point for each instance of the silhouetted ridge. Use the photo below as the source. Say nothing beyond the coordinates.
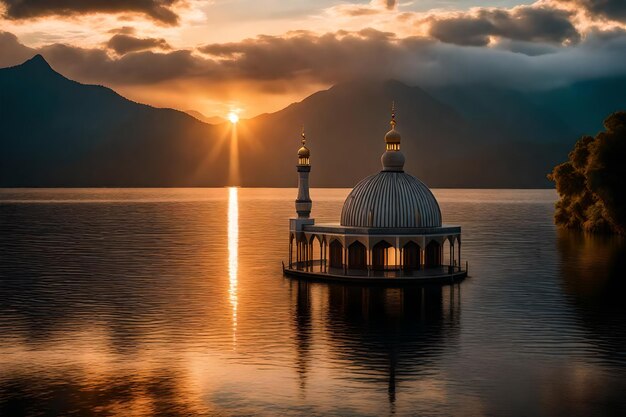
(37, 63)
(37, 60)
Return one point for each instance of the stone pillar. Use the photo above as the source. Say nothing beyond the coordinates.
(452, 254)
(297, 253)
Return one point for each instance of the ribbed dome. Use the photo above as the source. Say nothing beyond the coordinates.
(391, 199)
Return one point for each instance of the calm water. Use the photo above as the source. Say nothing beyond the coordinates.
(172, 302)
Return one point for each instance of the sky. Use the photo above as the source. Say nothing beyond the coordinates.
(256, 56)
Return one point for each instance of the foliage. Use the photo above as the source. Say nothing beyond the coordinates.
(592, 183)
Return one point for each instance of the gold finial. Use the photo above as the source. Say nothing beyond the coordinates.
(303, 136)
(393, 115)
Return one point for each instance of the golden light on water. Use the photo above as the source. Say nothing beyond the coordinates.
(233, 247)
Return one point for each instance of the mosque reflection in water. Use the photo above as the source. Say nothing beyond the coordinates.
(387, 334)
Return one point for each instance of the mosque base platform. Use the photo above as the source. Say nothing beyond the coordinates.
(431, 275)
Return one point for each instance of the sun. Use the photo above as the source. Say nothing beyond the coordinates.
(233, 117)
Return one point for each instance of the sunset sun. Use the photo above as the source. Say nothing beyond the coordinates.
(233, 117)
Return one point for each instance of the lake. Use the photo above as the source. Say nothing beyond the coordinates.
(137, 302)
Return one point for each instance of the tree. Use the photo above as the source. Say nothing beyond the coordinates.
(592, 183)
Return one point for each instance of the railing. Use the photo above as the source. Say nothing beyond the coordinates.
(308, 266)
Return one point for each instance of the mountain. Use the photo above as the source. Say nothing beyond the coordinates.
(58, 132)
(585, 104)
(346, 125)
(506, 114)
(548, 116)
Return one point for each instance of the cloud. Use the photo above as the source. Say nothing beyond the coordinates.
(124, 30)
(357, 10)
(327, 58)
(388, 4)
(139, 68)
(609, 9)
(12, 52)
(158, 10)
(275, 63)
(123, 44)
(524, 23)
(340, 56)
(526, 48)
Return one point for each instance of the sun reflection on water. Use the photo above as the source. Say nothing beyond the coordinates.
(233, 246)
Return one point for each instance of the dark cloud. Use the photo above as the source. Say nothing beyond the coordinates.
(158, 10)
(123, 44)
(463, 30)
(609, 9)
(533, 24)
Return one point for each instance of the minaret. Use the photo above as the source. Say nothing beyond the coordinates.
(303, 202)
(393, 158)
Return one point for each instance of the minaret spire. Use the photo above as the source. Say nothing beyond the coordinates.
(393, 159)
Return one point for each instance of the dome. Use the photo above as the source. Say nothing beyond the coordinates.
(303, 152)
(393, 136)
(392, 161)
(391, 199)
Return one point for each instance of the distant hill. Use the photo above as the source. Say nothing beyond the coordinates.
(553, 115)
(506, 114)
(57, 132)
(213, 120)
(584, 105)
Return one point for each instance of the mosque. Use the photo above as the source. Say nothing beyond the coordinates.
(390, 229)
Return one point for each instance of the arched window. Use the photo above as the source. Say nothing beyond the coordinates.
(411, 256)
(433, 254)
(356, 256)
(336, 254)
(380, 255)
(316, 249)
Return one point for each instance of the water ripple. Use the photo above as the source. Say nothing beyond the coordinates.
(131, 302)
